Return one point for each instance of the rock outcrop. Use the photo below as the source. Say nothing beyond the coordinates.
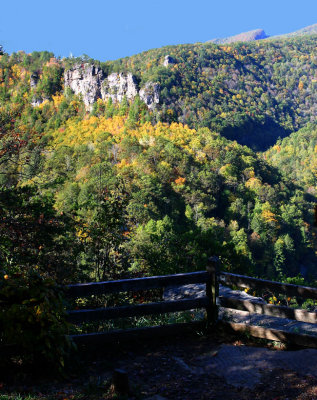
(85, 79)
(34, 78)
(117, 86)
(91, 82)
(36, 101)
(150, 94)
(168, 60)
(199, 290)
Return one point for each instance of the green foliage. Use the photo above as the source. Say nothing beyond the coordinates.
(119, 192)
(32, 234)
(32, 319)
(252, 92)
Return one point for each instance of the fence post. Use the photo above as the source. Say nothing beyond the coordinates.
(212, 289)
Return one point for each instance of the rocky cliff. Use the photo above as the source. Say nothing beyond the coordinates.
(91, 82)
(86, 80)
(117, 86)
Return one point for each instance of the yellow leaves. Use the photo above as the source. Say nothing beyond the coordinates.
(268, 216)
(253, 183)
(123, 163)
(301, 86)
(38, 311)
(224, 169)
(83, 236)
(57, 100)
(16, 71)
(165, 164)
(42, 105)
(89, 130)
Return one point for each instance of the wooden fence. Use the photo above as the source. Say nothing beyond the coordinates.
(254, 307)
(211, 277)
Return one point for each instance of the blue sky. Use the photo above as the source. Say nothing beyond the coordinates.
(108, 30)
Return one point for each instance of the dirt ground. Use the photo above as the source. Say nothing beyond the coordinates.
(218, 367)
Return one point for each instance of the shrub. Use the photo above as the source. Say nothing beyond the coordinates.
(32, 321)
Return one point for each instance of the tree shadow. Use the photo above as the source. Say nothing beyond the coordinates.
(259, 136)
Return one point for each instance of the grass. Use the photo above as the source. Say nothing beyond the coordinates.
(138, 322)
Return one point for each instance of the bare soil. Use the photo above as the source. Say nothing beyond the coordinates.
(174, 368)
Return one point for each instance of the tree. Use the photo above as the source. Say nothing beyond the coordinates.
(32, 236)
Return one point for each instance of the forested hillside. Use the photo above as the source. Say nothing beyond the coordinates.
(251, 92)
(126, 189)
(296, 157)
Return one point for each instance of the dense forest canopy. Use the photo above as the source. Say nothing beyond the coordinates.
(119, 190)
(252, 92)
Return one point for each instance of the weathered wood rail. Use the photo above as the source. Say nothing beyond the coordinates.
(207, 302)
(211, 278)
(254, 307)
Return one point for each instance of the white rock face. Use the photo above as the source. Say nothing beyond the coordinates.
(117, 86)
(150, 94)
(34, 78)
(168, 60)
(85, 79)
(197, 290)
(92, 84)
(37, 101)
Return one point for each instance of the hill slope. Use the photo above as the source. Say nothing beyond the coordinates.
(296, 157)
(308, 30)
(259, 34)
(250, 36)
(253, 92)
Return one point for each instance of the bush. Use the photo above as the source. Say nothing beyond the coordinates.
(32, 321)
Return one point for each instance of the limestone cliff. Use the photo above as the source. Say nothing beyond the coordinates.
(168, 60)
(85, 79)
(150, 94)
(117, 86)
(91, 82)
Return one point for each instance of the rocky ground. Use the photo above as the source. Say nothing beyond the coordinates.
(218, 366)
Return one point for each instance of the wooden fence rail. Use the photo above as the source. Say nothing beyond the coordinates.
(138, 310)
(211, 278)
(277, 287)
(129, 285)
(207, 302)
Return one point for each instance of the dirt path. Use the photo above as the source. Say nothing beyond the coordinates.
(195, 367)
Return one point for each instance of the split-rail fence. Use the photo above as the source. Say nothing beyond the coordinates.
(210, 302)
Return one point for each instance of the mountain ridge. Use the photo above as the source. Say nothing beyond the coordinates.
(259, 34)
(250, 36)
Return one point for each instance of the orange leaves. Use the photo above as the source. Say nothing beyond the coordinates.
(268, 216)
(180, 181)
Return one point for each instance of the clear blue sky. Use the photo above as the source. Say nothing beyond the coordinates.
(108, 30)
